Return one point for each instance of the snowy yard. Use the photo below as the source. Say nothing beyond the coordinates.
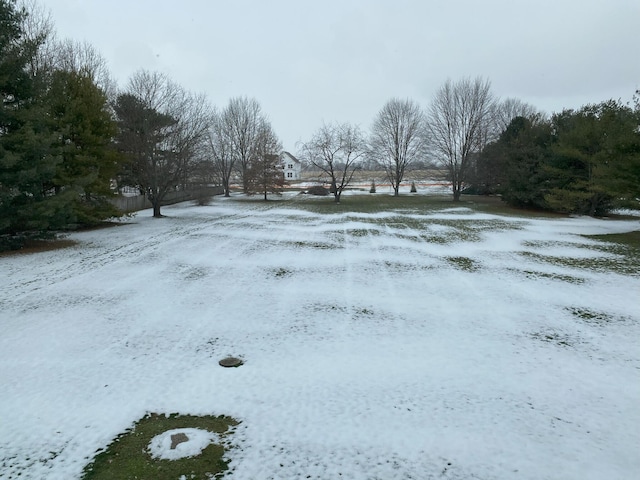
(427, 343)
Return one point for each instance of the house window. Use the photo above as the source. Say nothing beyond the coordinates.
(289, 175)
(290, 166)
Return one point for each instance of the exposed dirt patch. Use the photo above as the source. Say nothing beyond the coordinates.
(37, 246)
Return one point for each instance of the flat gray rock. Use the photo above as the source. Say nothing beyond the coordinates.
(177, 439)
(230, 362)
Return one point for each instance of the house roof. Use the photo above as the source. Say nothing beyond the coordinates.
(290, 156)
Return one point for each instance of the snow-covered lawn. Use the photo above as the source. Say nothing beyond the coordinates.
(422, 344)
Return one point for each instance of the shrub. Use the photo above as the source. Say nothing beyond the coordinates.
(11, 242)
(203, 198)
(318, 190)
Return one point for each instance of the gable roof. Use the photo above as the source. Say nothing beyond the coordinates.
(290, 156)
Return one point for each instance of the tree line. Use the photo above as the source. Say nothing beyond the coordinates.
(70, 138)
(584, 161)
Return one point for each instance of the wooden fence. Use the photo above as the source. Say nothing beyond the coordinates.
(141, 202)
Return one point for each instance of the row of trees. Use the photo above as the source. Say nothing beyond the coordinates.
(241, 140)
(55, 129)
(170, 137)
(68, 135)
(585, 161)
(462, 119)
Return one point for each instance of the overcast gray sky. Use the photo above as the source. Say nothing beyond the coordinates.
(340, 60)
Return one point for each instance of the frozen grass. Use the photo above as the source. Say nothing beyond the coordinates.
(422, 339)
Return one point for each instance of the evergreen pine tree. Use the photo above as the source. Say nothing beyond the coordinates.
(78, 113)
(27, 166)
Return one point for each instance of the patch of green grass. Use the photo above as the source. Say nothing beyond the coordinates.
(326, 307)
(464, 263)
(554, 276)
(455, 230)
(127, 457)
(438, 239)
(318, 245)
(590, 316)
(554, 337)
(495, 205)
(549, 244)
(494, 225)
(358, 232)
(419, 230)
(623, 250)
(374, 203)
(629, 239)
(624, 265)
(281, 272)
(587, 314)
(415, 218)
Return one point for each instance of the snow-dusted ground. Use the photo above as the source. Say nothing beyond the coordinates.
(371, 351)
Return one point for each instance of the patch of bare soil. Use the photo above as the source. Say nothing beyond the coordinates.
(45, 245)
(36, 246)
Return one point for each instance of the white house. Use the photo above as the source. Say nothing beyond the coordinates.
(291, 166)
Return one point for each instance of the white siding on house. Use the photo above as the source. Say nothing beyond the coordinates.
(291, 166)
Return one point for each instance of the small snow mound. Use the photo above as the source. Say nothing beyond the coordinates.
(197, 440)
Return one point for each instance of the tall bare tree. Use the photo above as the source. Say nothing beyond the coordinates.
(239, 136)
(336, 149)
(398, 138)
(244, 118)
(38, 29)
(220, 151)
(509, 108)
(460, 120)
(162, 129)
(82, 57)
(68, 55)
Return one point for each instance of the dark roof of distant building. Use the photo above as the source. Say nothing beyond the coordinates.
(291, 156)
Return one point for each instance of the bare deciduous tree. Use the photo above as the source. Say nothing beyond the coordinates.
(509, 108)
(163, 129)
(239, 136)
(398, 139)
(38, 29)
(220, 151)
(67, 55)
(459, 122)
(336, 150)
(82, 57)
(243, 118)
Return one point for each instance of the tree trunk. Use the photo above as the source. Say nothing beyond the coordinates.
(156, 210)
(245, 180)
(456, 195)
